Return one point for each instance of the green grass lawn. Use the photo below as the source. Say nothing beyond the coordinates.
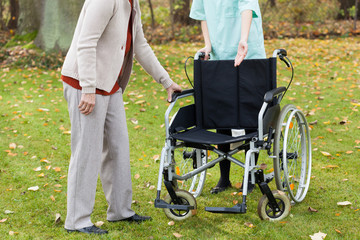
(35, 151)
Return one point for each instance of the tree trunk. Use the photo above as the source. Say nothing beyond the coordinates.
(152, 14)
(30, 16)
(345, 5)
(181, 14)
(58, 23)
(356, 10)
(2, 24)
(14, 14)
(172, 18)
(272, 3)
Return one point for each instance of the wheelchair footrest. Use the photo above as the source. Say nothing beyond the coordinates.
(238, 208)
(162, 204)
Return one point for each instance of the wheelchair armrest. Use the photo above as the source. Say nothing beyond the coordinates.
(269, 96)
(176, 95)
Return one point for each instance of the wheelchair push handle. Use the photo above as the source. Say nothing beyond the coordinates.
(200, 55)
(280, 52)
(176, 95)
(282, 55)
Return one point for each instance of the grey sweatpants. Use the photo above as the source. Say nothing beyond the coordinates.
(99, 145)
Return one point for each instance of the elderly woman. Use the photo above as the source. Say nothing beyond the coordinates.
(95, 74)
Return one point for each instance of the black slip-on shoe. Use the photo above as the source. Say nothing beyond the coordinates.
(216, 190)
(134, 218)
(89, 230)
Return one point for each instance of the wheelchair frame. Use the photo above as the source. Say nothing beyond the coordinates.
(274, 205)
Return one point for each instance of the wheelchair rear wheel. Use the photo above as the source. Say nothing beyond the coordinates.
(186, 198)
(267, 213)
(292, 150)
(186, 161)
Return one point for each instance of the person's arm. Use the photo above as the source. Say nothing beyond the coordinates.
(246, 18)
(95, 21)
(207, 48)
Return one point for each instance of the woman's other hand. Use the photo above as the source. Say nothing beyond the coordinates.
(87, 103)
(207, 51)
(241, 53)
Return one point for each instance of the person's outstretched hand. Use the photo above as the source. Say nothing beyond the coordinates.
(241, 54)
(173, 88)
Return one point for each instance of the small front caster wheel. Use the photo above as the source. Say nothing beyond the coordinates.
(186, 198)
(267, 213)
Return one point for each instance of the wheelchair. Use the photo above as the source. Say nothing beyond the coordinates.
(227, 97)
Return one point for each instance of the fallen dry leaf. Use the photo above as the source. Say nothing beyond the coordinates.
(156, 157)
(248, 224)
(37, 169)
(326, 154)
(12, 233)
(134, 121)
(177, 235)
(238, 185)
(99, 223)
(12, 145)
(140, 102)
(57, 218)
(44, 160)
(3, 220)
(312, 209)
(263, 166)
(346, 203)
(313, 123)
(171, 223)
(137, 176)
(318, 236)
(332, 166)
(35, 188)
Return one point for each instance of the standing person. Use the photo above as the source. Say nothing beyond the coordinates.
(95, 74)
(232, 30)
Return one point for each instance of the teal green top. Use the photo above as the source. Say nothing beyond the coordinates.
(223, 19)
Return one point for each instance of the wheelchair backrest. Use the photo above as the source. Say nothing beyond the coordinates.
(231, 97)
